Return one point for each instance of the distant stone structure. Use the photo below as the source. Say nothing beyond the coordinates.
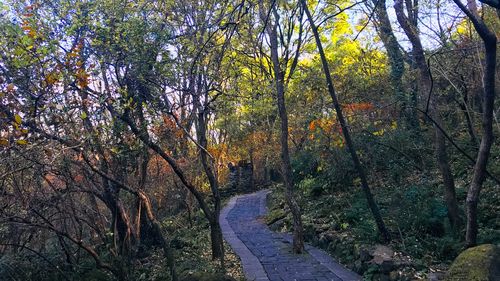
(241, 176)
(234, 176)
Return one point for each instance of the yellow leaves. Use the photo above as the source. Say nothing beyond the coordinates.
(32, 34)
(18, 119)
(22, 142)
(72, 55)
(4, 142)
(379, 132)
(341, 27)
(10, 88)
(51, 78)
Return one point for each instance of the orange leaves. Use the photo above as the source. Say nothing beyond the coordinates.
(168, 122)
(326, 127)
(312, 126)
(362, 106)
(28, 25)
(169, 126)
(82, 78)
(74, 61)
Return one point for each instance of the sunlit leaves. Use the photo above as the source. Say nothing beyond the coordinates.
(17, 119)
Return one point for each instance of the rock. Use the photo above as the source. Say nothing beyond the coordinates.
(387, 266)
(275, 215)
(364, 254)
(394, 275)
(358, 266)
(320, 228)
(278, 225)
(383, 257)
(436, 276)
(381, 253)
(481, 263)
(381, 277)
(205, 276)
(326, 237)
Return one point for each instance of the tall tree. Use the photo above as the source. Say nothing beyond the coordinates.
(479, 173)
(396, 62)
(408, 23)
(345, 128)
(279, 68)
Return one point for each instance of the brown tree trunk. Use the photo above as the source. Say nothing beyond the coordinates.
(217, 242)
(490, 45)
(396, 62)
(144, 137)
(286, 167)
(345, 130)
(215, 230)
(425, 87)
(156, 234)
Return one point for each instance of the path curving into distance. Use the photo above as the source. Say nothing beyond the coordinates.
(267, 255)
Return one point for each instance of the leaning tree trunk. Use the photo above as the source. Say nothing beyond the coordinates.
(298, 230)
(144, 137)
(490, 46)
(345, 130)
(425, 90)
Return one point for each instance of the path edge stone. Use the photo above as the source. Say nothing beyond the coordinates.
(252, 268)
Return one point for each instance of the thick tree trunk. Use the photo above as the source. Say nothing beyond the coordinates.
(286, 167)
(345, 130)
(396, 62)
(217, 242)
(490, 46)
(425, 87)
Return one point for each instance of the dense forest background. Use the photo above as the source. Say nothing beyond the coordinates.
(374, 122)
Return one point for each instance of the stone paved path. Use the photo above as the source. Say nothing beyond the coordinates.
(267, 255)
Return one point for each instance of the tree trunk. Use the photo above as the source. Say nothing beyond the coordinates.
(345, 130)
(215, 231)
(208, 167)
(490, 46)
(298, 232)
(396, 62)
(217, 244)
(155, 233)
(425, 87)
(144, 137)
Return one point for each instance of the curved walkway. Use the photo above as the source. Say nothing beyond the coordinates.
(267, 255)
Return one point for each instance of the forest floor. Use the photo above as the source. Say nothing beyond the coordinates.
(267, 255)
